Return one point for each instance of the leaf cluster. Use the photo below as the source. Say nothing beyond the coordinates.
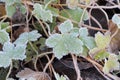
(62, 30)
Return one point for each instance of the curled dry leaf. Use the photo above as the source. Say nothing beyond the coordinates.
(29, 74)
(114, 45)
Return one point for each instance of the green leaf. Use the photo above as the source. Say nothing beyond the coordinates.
(102, 54)
(8, 47)
(116, 19)
(42, 42)
(111, 64)
(73, 44)
(14, 52)
(37, 10)
(10, 51)
(4, 36)
(27, 36)
(4, 59)
(74, 32)
(65, 26)
(10, 10)
(83, 32)
(23, 9)
(89, 42)
(41, 13)
(60, 50)
(62, 77)
(85, 52)
(3, 73)
(101, 40)
(4, 25)
(99, 51)
(65, 44)
(75, 14)
(19, 52)
(72, 4)
(53, 40)
(99, 54)
(53, 10)
(11, 2)
(68, 41)
(33, 35)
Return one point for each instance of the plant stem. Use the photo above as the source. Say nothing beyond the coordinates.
(76, 67)
(11, 66)
(33, 48)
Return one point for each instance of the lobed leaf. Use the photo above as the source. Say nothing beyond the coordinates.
(72, 4)
(89, 42)
(27, 36)
(85, 52)
(17, 49)
(116, 19)
(98, 53)
(72, 44)
(111, 64)
(64, 45)
(11, 2)
(10, 51)
(83, 32)
(19, 52)
(14, 52)
(53, 40)
(4, 36)
(72, 40)
(74, 14)
(8, 47)
(65, 26)
(102, 54)
(33, 35)
(10, 10)
(5, 60)
(53, 10)
(74, 32)
(41, 13)
(101, 40)
(60, 50)
(4, 25)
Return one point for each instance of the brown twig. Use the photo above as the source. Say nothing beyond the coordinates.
(94, 28)
(100, 68)
(81, 24)
(50, 61)
(76, 67)
(43, 27)
(27, 19)
(10, 69)
(94, 7)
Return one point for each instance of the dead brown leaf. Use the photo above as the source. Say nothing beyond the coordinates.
(114, 45)
(2, 9)
(29, 74)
